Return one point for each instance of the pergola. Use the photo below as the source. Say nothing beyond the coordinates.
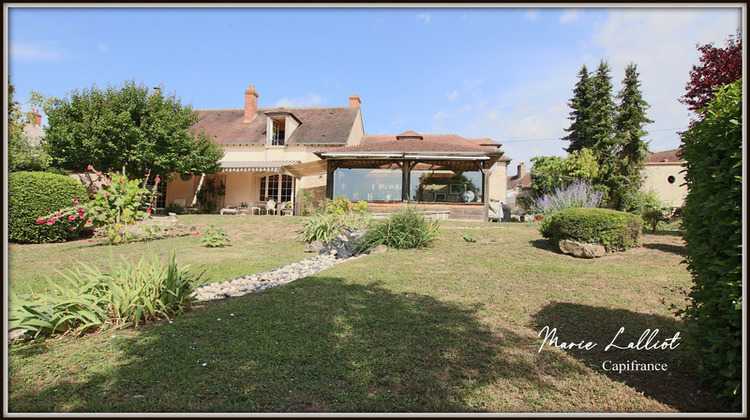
(406, 162)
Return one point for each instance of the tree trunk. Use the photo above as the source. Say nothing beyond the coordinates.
(197, 190)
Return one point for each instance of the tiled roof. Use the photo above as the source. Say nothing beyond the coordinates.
(413, 142)
(665, 156)
(523, 182)
(319, 125)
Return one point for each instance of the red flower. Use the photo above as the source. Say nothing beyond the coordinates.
(40, 221)
(90, 167)
(72, 217)
(58, 215)
(72, 229)
(50, 221)
(75, 200)
(100, 212)
(197, 233)
(106, 193)
(122, 181)
(88, 221)
(148, 211)
(91, 240)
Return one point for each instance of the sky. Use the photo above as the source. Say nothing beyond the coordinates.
(501, 72)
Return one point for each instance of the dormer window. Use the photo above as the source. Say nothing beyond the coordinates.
(281, 125)
(278, 131)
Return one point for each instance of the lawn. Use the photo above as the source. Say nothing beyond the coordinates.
(453, 328)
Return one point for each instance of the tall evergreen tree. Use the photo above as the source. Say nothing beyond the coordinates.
(602, 113)
(630, 147)
(580, 128)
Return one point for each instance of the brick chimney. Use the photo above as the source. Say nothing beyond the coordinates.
(521, 170)
(354, 101)
(251, 104)
(37, 117)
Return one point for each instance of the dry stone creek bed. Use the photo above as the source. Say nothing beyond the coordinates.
(339, 250)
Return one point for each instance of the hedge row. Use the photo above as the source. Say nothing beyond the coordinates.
(35, 194)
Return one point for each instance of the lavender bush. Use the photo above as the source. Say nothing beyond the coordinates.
(576, 194)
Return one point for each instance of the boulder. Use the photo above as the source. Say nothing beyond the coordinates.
(581, 250)
(315, 246)
(379, 249)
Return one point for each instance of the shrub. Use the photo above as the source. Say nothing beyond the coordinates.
(649, 206)
(118, 203)
(573, 195)
(31, 194)
(615, 230)
(174, 208)
(712, 223)
(333, 218)
(404, 229)
(215, 237)
(88, 299)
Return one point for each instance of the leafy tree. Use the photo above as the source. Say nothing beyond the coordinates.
(630, 147)
(712, 223)
(124, 128)
(551, 172)
(22, 156)
(718, 67)
(580, 127)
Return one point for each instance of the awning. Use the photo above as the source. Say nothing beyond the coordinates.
(255, 165)
(306, 169)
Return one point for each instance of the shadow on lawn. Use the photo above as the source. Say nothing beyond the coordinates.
(316, 345)
(678, 387)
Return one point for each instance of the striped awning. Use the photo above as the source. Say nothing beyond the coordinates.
(255, 165)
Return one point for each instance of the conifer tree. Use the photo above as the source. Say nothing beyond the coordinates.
(630, 147)
(580, 128)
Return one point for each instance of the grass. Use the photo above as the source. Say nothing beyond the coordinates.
(257, 244)
(452, 328)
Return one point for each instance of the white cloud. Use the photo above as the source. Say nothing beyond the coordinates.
(532, 15)
(570, 15)
(103, 47)
(37, 51)
(311, 99)
(425, 18)
(473, 83)
(661, 42)
(452, 96)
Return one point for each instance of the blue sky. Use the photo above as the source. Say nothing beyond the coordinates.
(498, 72)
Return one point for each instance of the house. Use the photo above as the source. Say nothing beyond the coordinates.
(32, 131)
(663, 173)
(519, 190)
(282, 152)
(259, 142)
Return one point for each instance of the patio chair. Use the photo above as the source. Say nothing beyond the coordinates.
(257, 206)
(270, 206)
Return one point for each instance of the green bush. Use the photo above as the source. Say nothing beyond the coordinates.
(35, 194)
(712, 223)
(332, 218)
(174, 208)
(215, 237)
(615, 230)
(404, 229)
(87, 299)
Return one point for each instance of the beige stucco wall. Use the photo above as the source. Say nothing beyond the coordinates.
(656, 177)
(499, 181)
(358, 130)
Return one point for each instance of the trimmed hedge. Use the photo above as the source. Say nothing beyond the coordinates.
(615, 230)
(712, 223)
(35, 194)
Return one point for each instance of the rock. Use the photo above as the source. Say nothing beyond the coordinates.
(315, 246)
(379, 249)
(581, 250)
